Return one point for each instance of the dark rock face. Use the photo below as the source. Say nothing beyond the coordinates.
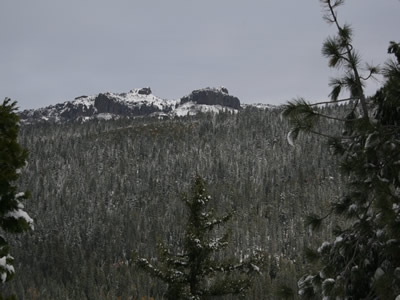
(144, 91)
(81, 97)
(212, 97)
(71, 111)
(224, 90)
(105, 103)
(64, 111)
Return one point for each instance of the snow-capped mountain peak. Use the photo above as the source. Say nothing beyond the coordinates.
(136, 102)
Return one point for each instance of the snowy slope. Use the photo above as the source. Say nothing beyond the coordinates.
(192, 108)
(135, 103)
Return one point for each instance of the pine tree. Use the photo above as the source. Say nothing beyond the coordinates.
(13, 218)
(195, 273)
(363, 262)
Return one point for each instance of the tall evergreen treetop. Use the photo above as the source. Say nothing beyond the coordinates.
(363, 262)
(195, 273)
(13, 218)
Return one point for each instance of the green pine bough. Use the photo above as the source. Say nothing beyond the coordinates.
(13, 218)
(363, 261)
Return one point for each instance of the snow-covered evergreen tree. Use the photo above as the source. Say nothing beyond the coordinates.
(195, 273)
(363, 262)
(12, 158)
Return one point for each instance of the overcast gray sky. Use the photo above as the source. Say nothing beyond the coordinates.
(263, 51)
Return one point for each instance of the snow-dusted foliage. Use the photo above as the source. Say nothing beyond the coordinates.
(196, 273)
(6, 267)
(13, 218)
(365, 255)
(18, 215)
(362, 260)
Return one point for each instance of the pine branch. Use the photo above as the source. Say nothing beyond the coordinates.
(372, 71)
(299, 109)
(209, 225)
(311, 255)
(145, 265)
(332, 137)
(218, 243)
(332, 102)
(314, 221)
(303, 118)
(352, 57)
(342, 206)
(247, 266)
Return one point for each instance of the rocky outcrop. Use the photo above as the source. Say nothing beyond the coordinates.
(212, 96)
(138, 102)
(81, 97)
(106, 103)
(144, 91)
(72, 111)
(59, 112)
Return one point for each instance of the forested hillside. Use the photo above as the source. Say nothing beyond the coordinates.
(102, 189)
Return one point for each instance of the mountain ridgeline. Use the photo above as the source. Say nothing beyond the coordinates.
(102, 189)
(135, 103)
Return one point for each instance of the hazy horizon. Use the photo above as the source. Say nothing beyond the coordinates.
(261, 51)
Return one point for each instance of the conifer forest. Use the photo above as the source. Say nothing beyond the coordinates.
(104, 189)
(133, 197)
